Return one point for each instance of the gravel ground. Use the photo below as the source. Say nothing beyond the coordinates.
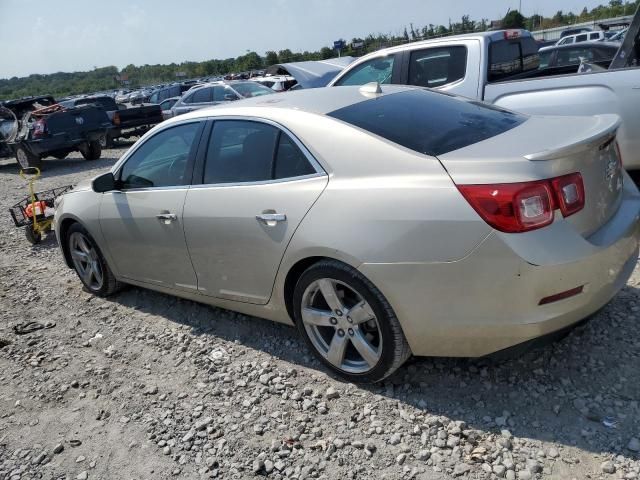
(147, 386)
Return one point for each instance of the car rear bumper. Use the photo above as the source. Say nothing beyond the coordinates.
(62, 142)
(490, 300)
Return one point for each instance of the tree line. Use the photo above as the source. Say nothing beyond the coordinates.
(108, 78)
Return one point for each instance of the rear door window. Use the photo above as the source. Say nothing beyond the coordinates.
(436, 67)
(581, 38)
(594, 36)
(377, 69)
(508, 58)
(429, 122)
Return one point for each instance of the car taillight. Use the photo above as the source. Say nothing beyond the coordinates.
(570, 193)
(525, 206)
(116, 118)
(40, 128)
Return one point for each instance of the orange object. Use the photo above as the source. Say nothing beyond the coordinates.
(39, 206)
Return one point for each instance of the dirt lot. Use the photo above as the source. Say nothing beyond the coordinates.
(146, 386)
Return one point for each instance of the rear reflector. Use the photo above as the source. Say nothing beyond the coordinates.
(562, 295)
(525, 206)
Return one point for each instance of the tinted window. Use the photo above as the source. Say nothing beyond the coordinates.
(594, 36)
(375, 70)
(290, 161)
(240, 151)
(436, 67)
(162, 160)
(511, 57)
(223, 94)
(429, 122)
(167, 104)
(202, 95)
(545, 58)
(154, 98)
(581, 38)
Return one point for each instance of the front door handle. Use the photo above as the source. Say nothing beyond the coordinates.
(167, 217)
(271, 219)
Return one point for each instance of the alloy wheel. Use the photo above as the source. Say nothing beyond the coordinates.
(341, 325)
(86, 260)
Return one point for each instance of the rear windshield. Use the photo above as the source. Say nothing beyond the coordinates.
(428, 122)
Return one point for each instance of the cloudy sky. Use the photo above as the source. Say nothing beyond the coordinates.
(44, 36)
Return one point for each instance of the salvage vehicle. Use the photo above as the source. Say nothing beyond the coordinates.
(501, 67)
(166, 106)
(33, 128)
(126, 121)
(599, 53)
(381, 221)
(216, 93)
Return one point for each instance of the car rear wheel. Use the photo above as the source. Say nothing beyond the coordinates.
(91, 150)
(348, 323)
(27, 159)
(88, 262)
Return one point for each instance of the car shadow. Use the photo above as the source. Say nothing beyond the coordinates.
(571, 391)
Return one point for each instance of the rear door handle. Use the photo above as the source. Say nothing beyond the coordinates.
(167, 217)
(271, 219)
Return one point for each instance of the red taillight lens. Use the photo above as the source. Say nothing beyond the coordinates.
(116, 118)
(512, 207)
(40, 128)
(521, 207)
(570, 193)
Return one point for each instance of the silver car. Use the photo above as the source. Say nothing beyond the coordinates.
(382, 222)
(216, 93)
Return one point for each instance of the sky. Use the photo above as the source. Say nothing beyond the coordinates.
(46, 36)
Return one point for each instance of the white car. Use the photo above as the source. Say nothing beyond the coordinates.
(582, 37)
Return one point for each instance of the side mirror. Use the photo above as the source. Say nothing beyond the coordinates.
(104, 183)
(230, 97)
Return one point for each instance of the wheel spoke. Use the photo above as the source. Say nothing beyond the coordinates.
(313, 316)
(87, 274)
(368, 353)
(97, 272)
(82, 243)
(79, 256)
(361, 313)
(338, 346)
(328, 289)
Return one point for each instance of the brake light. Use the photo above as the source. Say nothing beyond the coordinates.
(40, 128)
(570, 193)
(512, 34)
(525, 206)
(116, 118)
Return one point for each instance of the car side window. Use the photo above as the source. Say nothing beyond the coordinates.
(581, 38)
(240, 151)
(377, 69)
(223, 94)
(594, 36)
(290, 161)
(202, 95)
(244, 151)
(545, 58)
(436, 67)
(161, 161)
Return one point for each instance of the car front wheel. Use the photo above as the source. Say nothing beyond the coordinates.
(348, 323)
(88, 262)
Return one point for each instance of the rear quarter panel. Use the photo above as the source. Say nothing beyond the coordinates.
(616, 91)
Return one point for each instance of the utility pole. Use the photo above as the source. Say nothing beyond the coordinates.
(520, 8)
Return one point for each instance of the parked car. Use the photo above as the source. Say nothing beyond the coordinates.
(161, 94)
(600, 53)
(126, 122)
(38, 127)
(166, 106)
(277, 83)
(217, 93)
(583, 37)
(574, 31)
(381, 221)
(501, 67)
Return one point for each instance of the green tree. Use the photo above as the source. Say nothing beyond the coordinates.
(513, 19)
(271, 58)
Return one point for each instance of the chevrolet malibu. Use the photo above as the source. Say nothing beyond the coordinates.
(381, 221)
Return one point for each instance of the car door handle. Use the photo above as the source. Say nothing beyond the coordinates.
(167, 217)
(271, 219)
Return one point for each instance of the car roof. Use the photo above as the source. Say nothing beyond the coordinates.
(321, 101)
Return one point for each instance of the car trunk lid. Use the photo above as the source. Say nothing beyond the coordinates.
(550, 147)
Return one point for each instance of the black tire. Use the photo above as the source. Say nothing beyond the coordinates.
(91, 150)
(27, 159)
(395, 349)
(33, 237)
(109, 284)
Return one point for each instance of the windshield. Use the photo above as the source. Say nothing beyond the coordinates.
(251, 89)
(429, 122)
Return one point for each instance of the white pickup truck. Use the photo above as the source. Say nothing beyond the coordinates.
(501, 67)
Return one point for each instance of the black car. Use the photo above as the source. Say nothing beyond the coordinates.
(38, 127)
(600, 53)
